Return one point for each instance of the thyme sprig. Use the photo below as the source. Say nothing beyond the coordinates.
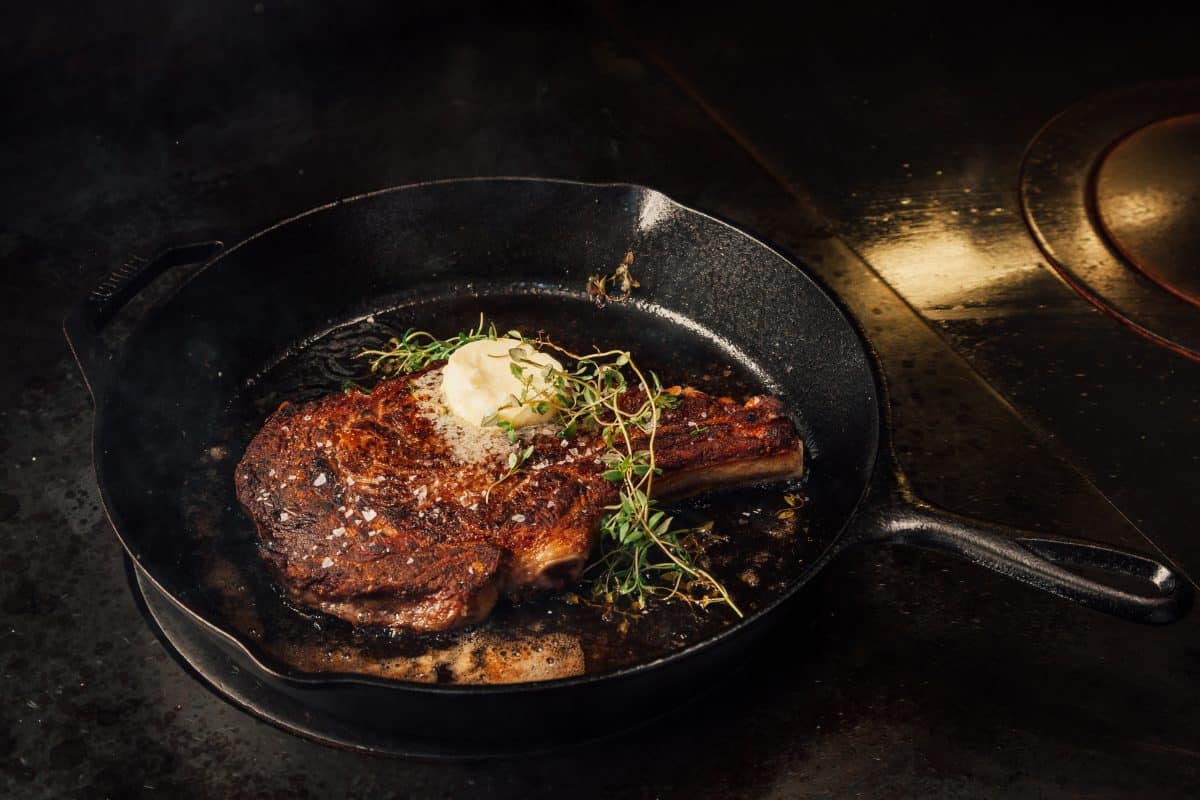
(620, 279)
(643, 555)
(646, 556)
(515, 460)
(418, 349)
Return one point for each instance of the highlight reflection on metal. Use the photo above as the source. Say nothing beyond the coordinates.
(939, 270)
(654, 209)
(1067, 184)
(1147, 199)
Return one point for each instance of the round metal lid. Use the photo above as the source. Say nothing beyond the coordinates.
(1106, 188)
(1147, 198)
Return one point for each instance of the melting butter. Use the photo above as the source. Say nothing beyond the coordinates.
(478, 382)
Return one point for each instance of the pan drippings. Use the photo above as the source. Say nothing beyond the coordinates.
(757, 544)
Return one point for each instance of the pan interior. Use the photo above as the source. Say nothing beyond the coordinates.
(759, 546)
(283, 316)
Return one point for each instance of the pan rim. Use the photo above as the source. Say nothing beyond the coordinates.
(315, 680)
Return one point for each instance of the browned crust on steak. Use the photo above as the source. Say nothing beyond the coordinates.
(370, 507)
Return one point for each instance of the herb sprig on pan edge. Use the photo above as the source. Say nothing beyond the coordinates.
(642, 556)
(418, 349)
(620, 279)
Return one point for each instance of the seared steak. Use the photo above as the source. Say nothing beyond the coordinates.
(371, 507)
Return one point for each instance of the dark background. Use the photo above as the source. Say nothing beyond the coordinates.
(878, 146)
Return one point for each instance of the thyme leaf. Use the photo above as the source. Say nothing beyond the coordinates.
(794, 503)
(515, 460)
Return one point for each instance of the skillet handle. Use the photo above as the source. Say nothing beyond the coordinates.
(84, 325)
(1043, 562)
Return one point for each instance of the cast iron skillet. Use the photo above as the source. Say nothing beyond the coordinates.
(180, 397)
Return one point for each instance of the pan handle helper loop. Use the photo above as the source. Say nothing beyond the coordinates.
(85, 324)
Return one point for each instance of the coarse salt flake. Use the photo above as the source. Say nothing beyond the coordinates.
(327, 563)
(369, 515)
(321, 480)
(518, 517)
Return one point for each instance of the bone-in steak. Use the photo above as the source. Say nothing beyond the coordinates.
(371, 506)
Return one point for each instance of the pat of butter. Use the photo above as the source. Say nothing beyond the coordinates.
(478, 380)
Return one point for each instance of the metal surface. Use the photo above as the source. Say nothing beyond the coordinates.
(1147, 197)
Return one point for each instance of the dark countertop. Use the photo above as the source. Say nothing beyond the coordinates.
(901, 673)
